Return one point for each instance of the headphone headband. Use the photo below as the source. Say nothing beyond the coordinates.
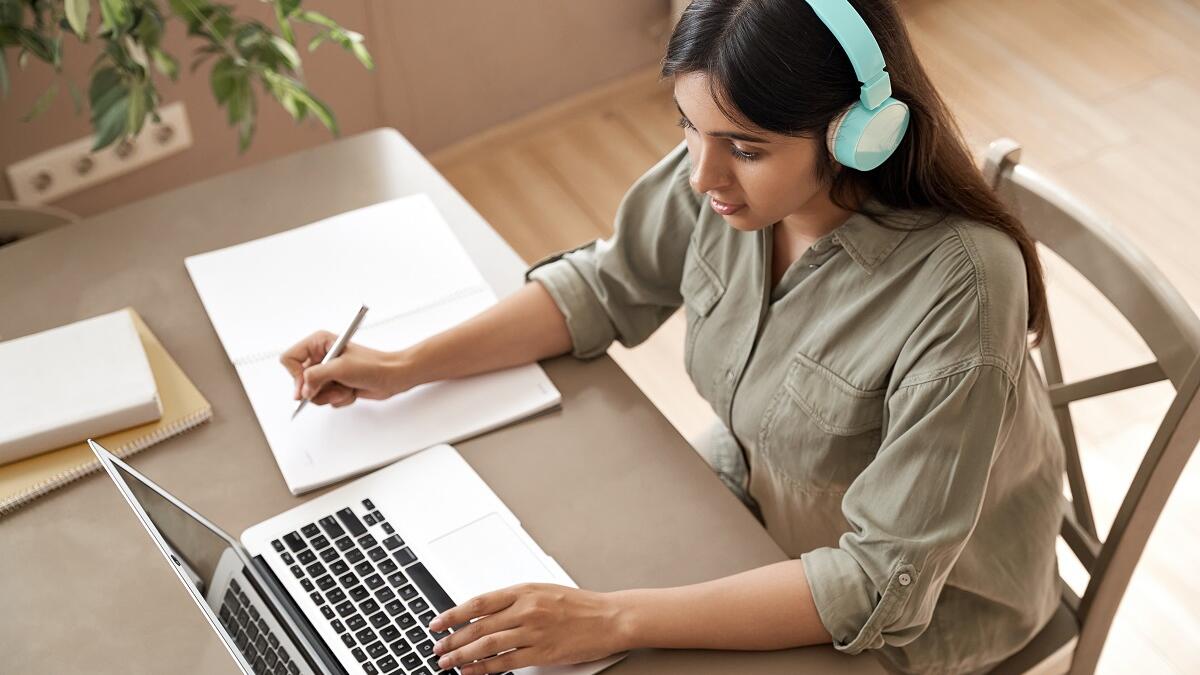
(860, 45)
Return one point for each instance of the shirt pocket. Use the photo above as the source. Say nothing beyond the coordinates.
(701, 289)
(819, 431)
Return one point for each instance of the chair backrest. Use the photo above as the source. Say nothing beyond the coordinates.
(1172, 332)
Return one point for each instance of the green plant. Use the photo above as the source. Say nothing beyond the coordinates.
(122, 92)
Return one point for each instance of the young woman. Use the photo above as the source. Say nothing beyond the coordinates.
(858, 308)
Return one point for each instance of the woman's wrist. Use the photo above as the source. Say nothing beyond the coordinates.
(625, 620)
(402, 370)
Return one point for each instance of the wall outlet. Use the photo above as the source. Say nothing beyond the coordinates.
(69, 168)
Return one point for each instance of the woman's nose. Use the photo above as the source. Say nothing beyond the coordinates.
(708, 173)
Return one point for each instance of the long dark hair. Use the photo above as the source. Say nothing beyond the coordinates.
(778, 65)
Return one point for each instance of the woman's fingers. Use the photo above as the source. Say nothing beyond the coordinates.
(331, 393)
(485, 647)
(518, 658)
(480, 605)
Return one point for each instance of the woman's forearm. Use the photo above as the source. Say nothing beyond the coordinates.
(769, 607)
(522, 328)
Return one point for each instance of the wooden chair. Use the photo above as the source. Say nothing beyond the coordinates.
(1072, 640)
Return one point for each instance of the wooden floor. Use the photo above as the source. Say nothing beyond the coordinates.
(1103, 94)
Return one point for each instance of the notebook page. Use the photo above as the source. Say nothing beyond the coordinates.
(263, 296)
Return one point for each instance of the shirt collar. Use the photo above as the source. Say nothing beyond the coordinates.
(869, 240)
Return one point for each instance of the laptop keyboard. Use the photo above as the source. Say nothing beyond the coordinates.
(371, 589)
(253, 635)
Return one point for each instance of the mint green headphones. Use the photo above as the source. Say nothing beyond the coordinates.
(870, 130)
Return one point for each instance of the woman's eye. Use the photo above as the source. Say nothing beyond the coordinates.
(733, 150)
(683, 123)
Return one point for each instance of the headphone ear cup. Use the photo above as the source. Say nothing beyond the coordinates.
(862, 139)
(831, 133)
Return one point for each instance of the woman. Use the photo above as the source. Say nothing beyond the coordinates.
(860, 332)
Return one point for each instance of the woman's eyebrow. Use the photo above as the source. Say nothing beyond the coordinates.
(723, 134)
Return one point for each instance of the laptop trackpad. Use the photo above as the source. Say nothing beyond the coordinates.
(483, 556)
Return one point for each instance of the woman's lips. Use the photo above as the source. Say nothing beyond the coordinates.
(723, 208)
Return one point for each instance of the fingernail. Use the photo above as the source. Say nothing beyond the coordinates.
(437, 646)
(444, 662)
(436, 624)
(306, 392)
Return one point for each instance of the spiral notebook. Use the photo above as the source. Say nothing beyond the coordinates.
(399, 258)
(183, 407)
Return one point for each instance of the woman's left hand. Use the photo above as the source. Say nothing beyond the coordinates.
(527, 625)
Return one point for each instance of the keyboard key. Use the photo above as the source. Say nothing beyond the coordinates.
(326, 582)
(240, 639)
(406, 621)
(359, 654)
(306, 557)
(319, 542)
(387, 527)
(356, 622)
(368, 505)
(411, 661)
(315, 570)
(379, 620)
(331, 527)
(374, 581)
(387, 566)
(294, 542)
(316, 598)
(378, 516)
(415, 634)
(408, 592)
(297, 571)
(253, 613)
(259, 665)
(338, 567)
(242, 617)
(364, 568)
(427, 617)
(348, 639)
(369, 607)
(394, 607)
(348, 579)
(278, 545)
(385, 594)
(345, 609)
(351, 521)
(338, 626)
(366, 541)
(430, 587)
(398, 579)
(293, 669)
(310, 530)
(404, 556)
(365, 636)
(287, 558)
(330, 555)
(425, 648)
(359, 593)
(344, 543)
(388, 664)
(393, 542)
(419, 605)
(271, 658)
(400, 648)
(369, 519)
(377, 554)
(327, 611)
(387, 632)
(369, 669)
(377, 649)
(354, 555)
(335, 595)
(306, 584)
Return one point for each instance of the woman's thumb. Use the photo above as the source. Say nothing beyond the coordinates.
(317, 376)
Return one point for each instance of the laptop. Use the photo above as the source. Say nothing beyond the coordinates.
(348, 582)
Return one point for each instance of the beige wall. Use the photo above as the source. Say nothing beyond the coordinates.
(446, 69)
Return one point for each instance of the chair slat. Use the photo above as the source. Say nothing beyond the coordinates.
(1085, 546)
(1149, 373)
(1082, 504)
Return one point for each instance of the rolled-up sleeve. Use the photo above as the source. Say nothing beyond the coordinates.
(624, 287)
(912, 510)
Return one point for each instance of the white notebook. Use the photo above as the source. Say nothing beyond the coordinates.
(399, 258)
(62, 385)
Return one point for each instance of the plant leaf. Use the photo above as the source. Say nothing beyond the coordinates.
(77, 16)
(111, 125)
(363, 56)
(42, 103)
(37, 44)
(318, 108)
(224, 79)
(165, 63)
(115, 15)
(317, 18)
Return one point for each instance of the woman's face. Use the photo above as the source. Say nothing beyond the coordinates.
(770, 176)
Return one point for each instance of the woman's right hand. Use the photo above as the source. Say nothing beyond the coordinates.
(358, 372)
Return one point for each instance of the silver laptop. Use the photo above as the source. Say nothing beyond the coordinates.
(349, 581)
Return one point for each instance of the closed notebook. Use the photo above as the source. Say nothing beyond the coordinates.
(183, 407)
(87, 378)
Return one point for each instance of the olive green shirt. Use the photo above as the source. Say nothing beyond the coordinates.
(896, 434)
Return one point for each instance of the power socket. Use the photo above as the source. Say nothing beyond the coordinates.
(60, 171)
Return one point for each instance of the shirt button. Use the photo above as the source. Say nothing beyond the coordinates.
(729, 374)
(905, 579)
